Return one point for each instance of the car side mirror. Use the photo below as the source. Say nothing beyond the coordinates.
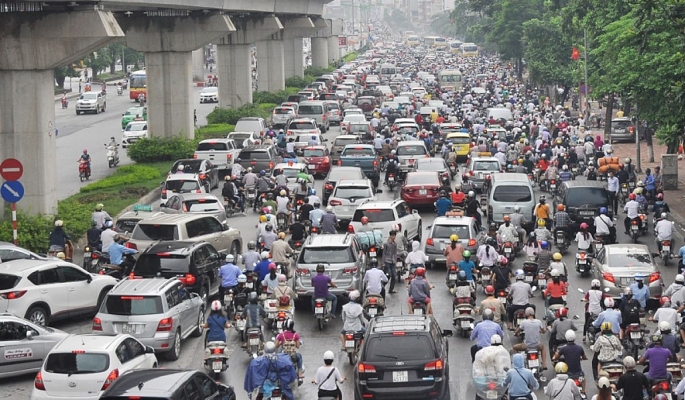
(447, 332)
(414, 211)
(163, 205)
(29, 334)
(429, 227)
(225, 225)
(149, 350)
(90, 279)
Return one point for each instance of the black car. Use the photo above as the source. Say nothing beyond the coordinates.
(582, 199)
(168, 384)
(199, 166)
(419, 371)
(259, 157)
(336, 174)
(196, 264)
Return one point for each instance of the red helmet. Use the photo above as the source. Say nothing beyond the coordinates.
(563, 312)
(272, 267)
(489, 290)
(503, 261)
(664, 300)
(583, 226)
(365, 220)
(632, 196)
(420, 271)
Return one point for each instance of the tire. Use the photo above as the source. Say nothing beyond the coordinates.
(111, 164)
(101, 298)
(447, 392)
(82, 177)
(78, 113)
(197, 332)
(204, 295)
(38, 315)
(352, 357)
(235, 250)
(97, 110)
(321, 322)
(175, 352)
(418, 231)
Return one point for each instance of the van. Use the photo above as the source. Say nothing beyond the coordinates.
(500, 113)
(317, 110)
(509, 190)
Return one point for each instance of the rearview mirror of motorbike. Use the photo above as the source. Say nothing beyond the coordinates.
(534, 288)
(576, 317)
(581, 290)
(606, 289)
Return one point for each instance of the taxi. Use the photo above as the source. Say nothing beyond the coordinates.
(461, 144)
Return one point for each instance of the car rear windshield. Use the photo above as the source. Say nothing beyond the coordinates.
(445, 231)
(133, 305)
(151, 264)
(422, 179)
(8, 281)
(288, 172)
(304, 139)
(302, 125)
(313, 153)
(431, 166)
(155, 232)
(460, 140)
(374, 215)
(202, 205)
(345, 142)
(512, 194)
(594, 196)
(126, 225)
(209, 146)
(189, 166)
(254, 155)
(620, 124)
(359, 128)
(283, 111)
(182, 185)
(349, 192)
(76, 362)
(414, 347)
(310, 110)
(332, 255)
(486, 166)
(136, 127)
(630, 260)
(411, 150)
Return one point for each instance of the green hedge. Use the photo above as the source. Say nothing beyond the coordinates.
(213, 131)
(318, 71)
(276, 98)
(351, 57)
(125, 175)
(157, 149)
(231, 116)
(298, 82)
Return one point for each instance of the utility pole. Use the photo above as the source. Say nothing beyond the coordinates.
(587, 89)
(638, 164)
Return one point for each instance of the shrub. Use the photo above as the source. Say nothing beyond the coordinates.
(298, 82)
(126, 175)
(351, 57)
(157, 149)
(318, 71)
(231, 116)
(275, 98)
(213, 131)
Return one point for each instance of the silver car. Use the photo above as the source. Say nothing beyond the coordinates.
(348, 195)
(616, 266)
(479, 168)
(282, 116)
(195, 203)
(25, 345)
(158, 312)
(10, 252)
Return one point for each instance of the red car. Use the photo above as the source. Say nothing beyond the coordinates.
(421, 188)
(318, 160)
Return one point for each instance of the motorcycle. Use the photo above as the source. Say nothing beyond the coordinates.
(676, 370)
(533, 364)
(662, 387)
(374, 305)
(120, 90)
(322, 312)
(614, 369)
(90, 258)
(392, 182)
(353, 341)
(419, 308)
(530, 270)
(451, 280)
(231, 207)
(635, 339)
(553, 187)
(484, 205)
(665, 253)
(282, 222)
(290, 348)
(83, 170)
(561, 244)
(485, 276)
(216, 358)
(551, 313)
(401, 268)
(255, 344)
(634, 230)
(463, 315)
(112, 155)
(519, 317)
(600, 241)
(624, 193)
(277, 314)
(251, 196)
(65, 103)
(509, 250)
(583, 261)
(502, 296)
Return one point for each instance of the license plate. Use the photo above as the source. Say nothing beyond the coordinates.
(586, 213)
(349, 343)
(251, 195)
(485, 277)
(418, 311)
(553, 187)
(542, 282)
(86, 255)
(519, 321)
(582, 262)
(457, 147)
(423, 192)
(216, 365)
(453, 277)
(400, 376)
(634, 227)
(491, 394)
(346, 208)
(228, 299)
(279, 324)
(312, 166)
(318, 310)
(626, 281)
(391, 179)
(398, 264)
(507, 250)
(241, 324)
(503, 300)
(275, 397)
(254, 341)
(666, 248)
(128, 328)
(372, 253)
(249, 285)
(533, 363)
(465, 324)
(373, 312)
(528, 278)
(636, 335)
(272, 315)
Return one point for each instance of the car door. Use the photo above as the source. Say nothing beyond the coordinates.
(191, 391)
(208, 388)
(185, 309)
(17, 352)
(216, 234)
(52, 290)
(211, 267)
(83, 295)
(212, 172)
(407, 220)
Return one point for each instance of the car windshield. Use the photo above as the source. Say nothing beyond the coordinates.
(313, 153)
(212, 146)
(134, 111)
(512, 194)
(302, 125)
(594, 196)
(355, 118)
(304, 139)
(76, 362)
(189, 166)
(150, 264)
(202, 205)
(445, 231)
(630, 260)
(182, 185)
(431, 166)
(382, 348)
(345, 141)
(310, 110)
(133, 305)
(486, 165)
(332, 255)
(374, 215)
(620, 124)
(411, 150)
(239, 138)
(210, 90)
(283, 111)
(89, 96)
(422, 179)
(136, 127)
(358, 151)
(349, 192)
(8, 281)
(155, 232)
(408, 130)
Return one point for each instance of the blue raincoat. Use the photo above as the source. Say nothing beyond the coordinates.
(269, 372)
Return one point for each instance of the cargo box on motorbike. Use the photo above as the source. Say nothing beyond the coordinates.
(371, 238)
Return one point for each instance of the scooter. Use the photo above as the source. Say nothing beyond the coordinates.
(353, 342)
(634, 230)
(112, 155)
(120, 90)
(485, 276)
(662, 387)
(231, 207)
(290, 348)
(419, 308)
(533, 364)
(599, 242)
(530, 271)
(216, 356)
(553, 187)
(373, 306)
(519, 317)
(255, 344)
(614, 369)
(392, 182)
(502, 296)
(509, 250)
(463, 315)
(635, 339)
(451, 280)
(282, 222)
(250, 196)
(65, 103)
(665, 253)
(561, 244)
(322, 312)
(583, 263)
(83, 171)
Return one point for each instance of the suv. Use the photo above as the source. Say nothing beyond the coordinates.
(338, 174)
(339, 144)
(259, 157)
(158, 312)
(583, 199)
(440, 232)
(167, 384)
(182, 183)
(95, 102)
(251, 124)
(189, 227)
(479, 168)
(344, 261)
(384, 214)
(221, 152)
(420, 370)
(347, 196)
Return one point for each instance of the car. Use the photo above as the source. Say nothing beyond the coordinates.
(444, 227)
(622, 129)
(47, 291)
(408, 152)
(167, 384)
(583, 199)
(259, 157)
(339, 144)
(291, 104)
(95, 102)
(352, 111)
(421, 188)
(384, 214)
(159, 312)
(22, 337)
(616, 265)
(201, 167)
(290, 170)
(335, 111)
(362, 130)
(131, 115)
(349, 118)
(209, 95)
(318, 160)
(495, 132)
(420, 369)
(479, 168)
(195, 203)
(281, 116)
(436, 164)
(404, 121)
(342, 256)
(182, 183)
(244, 139)
(133, 131)
(347, 195)
(251, 124)
(10, 252)
(461, 144)
(302, 126)
(222, 152)
(127, 221)
(336, 174)
(85, 365)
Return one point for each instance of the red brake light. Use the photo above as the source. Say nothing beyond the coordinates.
(433, 366)
(453, 268)
(492, 385)
(608, 276)
(195, 156)
(349, 336)
(38, 382)
(366, 368)
(131, 246)
(188, 280)
(654, 276)
(97, 324)
(13, 295)
(429, 241)
(335, 203)
(328, 186)
(110, 378)
(533, 356)
(165, 324)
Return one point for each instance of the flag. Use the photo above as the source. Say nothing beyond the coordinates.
(575, 54)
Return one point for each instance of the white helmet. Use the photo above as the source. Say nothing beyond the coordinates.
(329, 209)
(216, 305)
(495, 339)
(354, 295)
(328, 355)
(59, 222)
(680, 278)
(472, 193)
(230, 258)
(609, 302)
(570, 336)
(565, 167)
(269, 347)
(664, 326)
(242, 278)
(595, 284)
(629, 362)
(264, 255)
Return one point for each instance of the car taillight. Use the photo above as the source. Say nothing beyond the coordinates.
(110, 378)
(195, 156)
(335, 203)
(164, 193)
(328, 186)
(433, 366)
(429, 241)
(97, 324)
(229, 157)
(38, 382)
(302, 271)
(654, 276)
(339, 163)
(608, 276)
(131, 246)
(471, 173)
(326, 160)
(366, 368)
(13, 295)
(350, 271)
(165, 324)
(271, 165)
(188, 279)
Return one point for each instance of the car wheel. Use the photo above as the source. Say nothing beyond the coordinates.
(175, 352)
(38, 315)
(78, 113)
(101, 298)
(234, 250)
(97, 110)
(418, 231)
(204, 294)
(197, 332)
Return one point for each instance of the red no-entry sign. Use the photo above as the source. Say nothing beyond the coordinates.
(11, 169)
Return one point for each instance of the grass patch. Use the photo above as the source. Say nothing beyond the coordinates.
(351, 57)
(111, 77)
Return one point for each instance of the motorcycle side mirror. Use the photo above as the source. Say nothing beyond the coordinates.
(647, 330)
(576, 317)
(581, 290)
(534, 288)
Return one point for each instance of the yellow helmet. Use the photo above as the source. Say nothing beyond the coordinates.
(638, 190)
(281, 235)
(561, 368)
(61, 255)
(606, 327)
(520, 160)
(541, 222)
(556, 256)
(262, 218)
(454, 238)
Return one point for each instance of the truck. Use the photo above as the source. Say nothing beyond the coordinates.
(363, 156)
(95, 102)
(221, 152)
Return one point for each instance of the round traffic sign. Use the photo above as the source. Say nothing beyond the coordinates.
(11, 169)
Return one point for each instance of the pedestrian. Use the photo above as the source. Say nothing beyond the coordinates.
(390, 259)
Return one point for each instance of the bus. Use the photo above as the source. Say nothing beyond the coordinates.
(409, 33)
(469, 50)
(388, 71)
(137, 85)
(455, 47)
(450, 80)
(440, 43)
(429, 41)
(413, 41)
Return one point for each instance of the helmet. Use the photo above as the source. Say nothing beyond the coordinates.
(639, 277)
(253, 297)
(665, 301)
(541, 222)
(109, 224)
(561, 368)
(583, 226)
(660, 196)
(462, 275)
(660, 396)
(503, 261)
(492, 241)
(489, 290)
(354, 295)
(609, 302)
(216, 305)
(457, 186)
(603, 382)
(629, 362)
(664, 326)
(395, 227)
(664, 215)
(627, 291)
(230, 258)
(562, 313)
(606, 327)
(365, 220)
(320, 268)
(251, 245)
(488, 314)
(544, 244)
(59, 222)
(61, 255)
(282, 278)
(640, 184)
(632, 196)
(269, 227)
(373, 262)
(227, 178)
(472, 193)
(454, 238)
(313, 192)
(289, 324)
(99, 207)
(466, 254)
(281, 235)
(264, 255)
(262, 172)
(506, 218)
(249, 169)
(328, 355)
(530, 312)
(556, 256)
(657, 338)
(242, 278)
(680, 278)
(272, 267)
(603, 210)
(517, 208)
(85, 151)
(637, 191)
(420, 271)
(560, 207)
(564, 168)
(262, 218)
(329, 209)
(554, 272)
(570, 336)
(595, 284)
(269, 347)
(495, 339)
(519, 274)
(282, 192)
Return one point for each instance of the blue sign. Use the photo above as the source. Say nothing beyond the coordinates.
(12, 191)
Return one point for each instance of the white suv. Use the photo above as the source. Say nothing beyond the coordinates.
(45, 291)
(347, 196)
(384, 214)
(182, 183)
(83, 366)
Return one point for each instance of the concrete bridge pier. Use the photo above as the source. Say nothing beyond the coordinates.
(320, 43)
(168, 43)
(271, 64)
(296, 29)
(33, 44)
(333, 43)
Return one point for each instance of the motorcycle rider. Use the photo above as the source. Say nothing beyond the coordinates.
(270, 371)
(58, 237)
(289, 338)
(352, 316)
(107, 236)
(458, 197)
(253, 315)
(284, 293)
(664, 231)
(329, 221)
(519, 293)
(321, 283)
(541, 232)
(584, 239)
(543, 212)
(419, 291)
(607, 347)
(520, 379)
(262, 267)
(492, 361)
(472, 207)
(264, 185)
(453, 252)
(573, 354)
(669, 340)
(216, 323)
(660, 206)
(561, 222)
(631, 209)
(665, 313)
(519, 221)
(375, 279)
(604, 226)
(658, 356)
(565, 174)
(640, 290)
(327, 377)
(271, 281)
(561, 387)
(228, 273)
(93, 235)
(100, 216)
(117, 252)
(594, 298)
(391, 167)
(316, 215)
(469, 267)
(560, 326)
(559, 265)
(463, 289)
(487, 253)
(532, 329)
(85, 158)
(280, 250)
(269, 236)
(250, 179)
(556, 289)
(508, 232)
(633, 383)
(443, 204)
(483, 332)
(251, 258)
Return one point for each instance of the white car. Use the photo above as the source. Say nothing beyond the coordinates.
(84, 366)
(349, 119)
(209, 95)
(44, 291)
(384, 214)
(134, 131)
(181, 183)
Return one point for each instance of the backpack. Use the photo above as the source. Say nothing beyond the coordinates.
(632, 311)
(283, 299)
